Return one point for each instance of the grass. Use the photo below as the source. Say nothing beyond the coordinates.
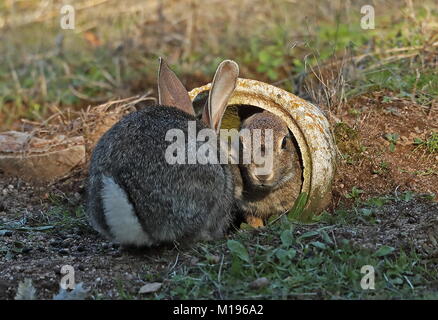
(348, 142)
(63, 213)
(285, 260)
(430, 144)
(310, 266)
(294, 261)
(44, 68)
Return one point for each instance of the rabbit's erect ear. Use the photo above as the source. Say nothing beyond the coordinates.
(222, 87)
(171, 92)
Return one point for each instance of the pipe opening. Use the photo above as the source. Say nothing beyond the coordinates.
(234, 116)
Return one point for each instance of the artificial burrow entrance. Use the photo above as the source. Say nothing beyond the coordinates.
(306, 122)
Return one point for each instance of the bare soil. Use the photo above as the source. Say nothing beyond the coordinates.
(369, 163)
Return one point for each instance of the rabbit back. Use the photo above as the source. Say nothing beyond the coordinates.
(137, 197)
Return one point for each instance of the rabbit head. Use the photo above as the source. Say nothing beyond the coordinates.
(284, 153)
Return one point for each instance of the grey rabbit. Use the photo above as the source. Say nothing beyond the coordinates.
(260, 196)
(135, 197)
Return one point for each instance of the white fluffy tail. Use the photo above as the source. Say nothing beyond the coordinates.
(120, 215)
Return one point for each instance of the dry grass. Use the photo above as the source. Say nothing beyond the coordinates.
(90, 123)
(112, 51)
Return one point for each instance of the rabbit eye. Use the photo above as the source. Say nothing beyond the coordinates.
(284, 143)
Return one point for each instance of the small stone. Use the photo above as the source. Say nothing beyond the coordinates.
(4, 285)
(67, 243)
(194, 261)
(26, 250)
(130, 276)
(80, 249)
(54, 243)
(5, 233)
(115, 245)
(62, 236)
(63, 252)
(213, 259)
(259, 283)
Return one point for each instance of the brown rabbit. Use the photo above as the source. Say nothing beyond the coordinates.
(260, 196)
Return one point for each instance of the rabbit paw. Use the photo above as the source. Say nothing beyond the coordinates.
(255, 222)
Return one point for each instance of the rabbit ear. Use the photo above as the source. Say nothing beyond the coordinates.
(171, 92)
(222, 87)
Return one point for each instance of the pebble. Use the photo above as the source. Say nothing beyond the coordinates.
(213, 259)
(259, 283)
(77, 196)
(7, 233)
(67, 243)
(26, 250)
(54, 242)
(63, 252)
(194, 261)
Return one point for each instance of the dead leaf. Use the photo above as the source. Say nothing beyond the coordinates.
(26, 290)
(92, 38)
(78, 293)
(150, 287)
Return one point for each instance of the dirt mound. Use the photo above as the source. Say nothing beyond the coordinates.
(378, 139)
(49, 150)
